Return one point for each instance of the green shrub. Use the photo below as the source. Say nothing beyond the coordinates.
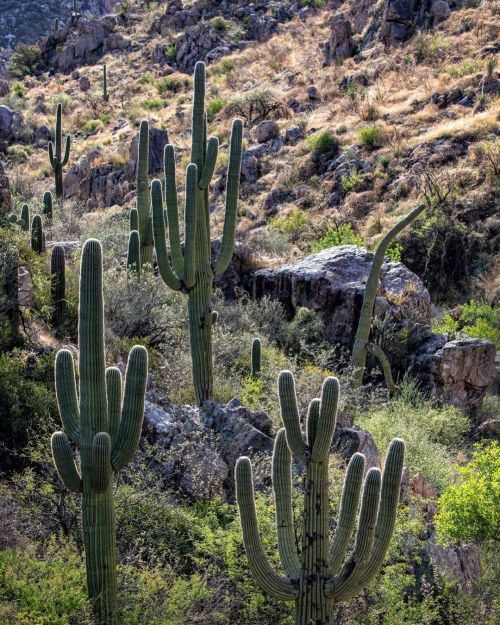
(470, 509)
(322, 142)
(19, 153)
(171, 84)
(394, 252)
(213, 107)
(154, 104)
(64, 100)
(92, 126)
(371, 136)
(293, 224)
(147, 79)
(18, 89)
(475, 319)
(432, 435)
(335, 236)
(24, 60)
(257, 104)
(220, 23)
(351, 181)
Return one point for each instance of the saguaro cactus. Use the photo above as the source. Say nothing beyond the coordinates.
(25, 217)
(105, 428)
(105, 95)
(134, 252)
(140, 217)
(256, 356)
(358, 357)
(37, 235)
(316, 576)
(58, 284)
(57, 160)
(47, 204)
(190, 268)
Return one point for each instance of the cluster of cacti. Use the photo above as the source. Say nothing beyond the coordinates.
(316, 574)
(58, 285)
(359, 350)
(37, 235)
(105, 428)
(190, 268)
(105, 95)
(57, 160)
(47, 204)
(140, 217)
(256, 357)
(25, 218)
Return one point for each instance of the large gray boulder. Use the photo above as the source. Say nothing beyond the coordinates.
(10, 125)
(340, 45)
(332, 283)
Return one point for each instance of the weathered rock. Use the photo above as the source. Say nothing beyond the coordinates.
(158, 139)
(459, 563)
(347, 441)
(4, 88)
(42, 136)
(421, 487)
(10, 123)
(84, 83)
(25, 287)
(238, 271)
(459, 372)
(293, 135)
(440, 10)
(340, 45)
(332, 283)
(5, 199)
(266, 130)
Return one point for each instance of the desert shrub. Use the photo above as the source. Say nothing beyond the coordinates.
(171, 84)
(293, 224)
(335, 236)
(431, 47)
(220, 23)
(432, 434)
(18, 89)
(350, 181)
(213, 107)
(24, 60)
(19, 153)
(371, 136)
(154, 104)
(65, 100)
(92, 126)
(322, 142)
(256, 105)
(475, 319)
(469, 510)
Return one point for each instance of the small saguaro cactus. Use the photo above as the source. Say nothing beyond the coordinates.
(57, 160)
(58, 284)
(141, 218)
(316, 574)
(190, 268)
(105, 95)
(25, 217)
(56, 24)
(359, 350)
(134, 252)
(256, 356)
(105, 428)
(37, 235)
(47, 204)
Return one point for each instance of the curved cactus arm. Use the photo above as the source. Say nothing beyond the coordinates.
(133, 219)
(389, 499)
(348, 511)
(101, 462)
(164, 266)
(66, 394)
(66, 151)
(232, 192)
(53, 160)
(312, 420)
(190, 218)
(290, 416)
(358, 358)
(172, 211)
(270, 582)
(129, 430)
(210, 162)
(114, 396)
(326, 420)
(379, 353)
(282, 485)
(198, 130)
(346, 581)
(65, 463)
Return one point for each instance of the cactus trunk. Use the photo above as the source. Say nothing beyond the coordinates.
(58, 284)
(57, 160)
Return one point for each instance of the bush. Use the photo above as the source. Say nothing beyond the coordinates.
(322, 142)
(213, 107)
(220, 23)
(257, 104)
(92, 126)
(24, 60)
(335, 236)
(371, 136)
(171, 84)
(154, 104)
(293, 224)
(18, 89)
(351, 181)
(470, 510)
(475, 319)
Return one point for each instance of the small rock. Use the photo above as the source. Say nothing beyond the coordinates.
(84, 83)
(293, 135)
(312, 92)
(266, 130)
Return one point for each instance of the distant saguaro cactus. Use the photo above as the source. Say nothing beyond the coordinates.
(58, 284)
(106, 429)
(25, 217)
(140, 217)
(37, 235)
(105, 95)
(256, 357)
(134, 252)
(190, 269)
(57, 160)
(316, 576)
(47, 204)
(359, 350)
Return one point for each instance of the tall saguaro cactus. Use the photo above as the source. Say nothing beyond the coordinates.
(105, 95)
(190, 268)
(316, 574)
(57, 159)
(47, 204)
(37, 235)
(25, 217)
(105, 428)
(58, 284)
(140, 217)
(359, 350)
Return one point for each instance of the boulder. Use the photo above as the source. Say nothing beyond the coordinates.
(458, 563)
(5, 199)
(158, 139)
(10, 124)
(332, 283)
(340, 45)
(266, 130)
(347, 441)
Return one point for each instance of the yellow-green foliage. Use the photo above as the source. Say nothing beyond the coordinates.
(475, 319)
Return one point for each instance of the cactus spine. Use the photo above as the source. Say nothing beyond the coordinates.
(25, 218)
(105, 95)
(58, 284)
(256, 356)
(190, 268)
(134, 252)
(47, 204)
(358, 357)
(141, 218)
(57, 160)
(105, 428)
(316, 576)
(37, 235)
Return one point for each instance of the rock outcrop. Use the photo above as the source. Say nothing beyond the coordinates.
(340, 45)
(10, 126)
(4, 188)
